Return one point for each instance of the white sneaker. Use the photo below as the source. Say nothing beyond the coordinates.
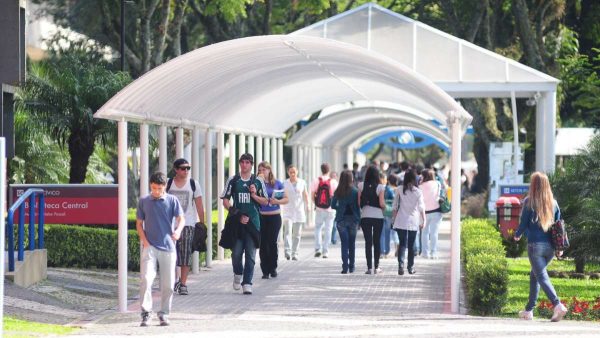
(526, 315)
(237, 282)
(559, 312)
(377, 271)
(247, 289)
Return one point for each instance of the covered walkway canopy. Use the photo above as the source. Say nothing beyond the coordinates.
(460, 68)
(255, 88)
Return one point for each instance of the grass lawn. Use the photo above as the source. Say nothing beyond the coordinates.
(518, 284)
(14, 328)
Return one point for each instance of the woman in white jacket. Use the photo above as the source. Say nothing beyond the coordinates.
(409, 217)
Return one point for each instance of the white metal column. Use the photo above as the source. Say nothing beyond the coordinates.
(280, 161)
(122, 228)
(220, 188)
(162, 149)
(267, 149)
(208, 193)
(251, 148)
(144, 160)
(259, 152)
(232, 165)
(455, 216)
(274, 159)
(242, 144)
(540, 137)
(196, 177)
(179, 142)
(549, 99)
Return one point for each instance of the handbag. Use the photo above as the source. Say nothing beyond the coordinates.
(445, 205)
(560, 240)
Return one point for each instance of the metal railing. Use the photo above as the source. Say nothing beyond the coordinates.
(30, 196)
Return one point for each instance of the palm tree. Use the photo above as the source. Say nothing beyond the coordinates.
(62, 93)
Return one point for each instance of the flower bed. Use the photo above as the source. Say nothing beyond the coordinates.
(578, 309)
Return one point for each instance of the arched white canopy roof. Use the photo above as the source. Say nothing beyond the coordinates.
(263, 85)
(352, 126)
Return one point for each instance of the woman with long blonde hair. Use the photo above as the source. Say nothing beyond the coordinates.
(540, 210)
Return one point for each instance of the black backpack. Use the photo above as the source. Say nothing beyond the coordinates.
(323, 194)
(369, 196)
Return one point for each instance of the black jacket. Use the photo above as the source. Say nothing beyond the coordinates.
(232, 227)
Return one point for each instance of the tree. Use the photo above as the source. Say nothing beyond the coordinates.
(62, 93)
(576, 190)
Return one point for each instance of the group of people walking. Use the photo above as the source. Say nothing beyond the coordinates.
(406, 205)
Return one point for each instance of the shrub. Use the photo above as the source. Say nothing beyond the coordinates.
(486, 270)
(83, 247)
(487, 283)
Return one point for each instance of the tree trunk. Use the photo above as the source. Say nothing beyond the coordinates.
(529, 42)
(580, 264)
(81, 147)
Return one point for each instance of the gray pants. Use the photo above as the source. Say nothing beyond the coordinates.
(292, 233)
(166, 261)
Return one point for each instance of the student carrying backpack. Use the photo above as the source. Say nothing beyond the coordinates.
(323, 194)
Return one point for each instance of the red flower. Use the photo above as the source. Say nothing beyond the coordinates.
(577, 309)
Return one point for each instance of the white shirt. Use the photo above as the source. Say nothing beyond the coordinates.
(409, 206)
(431, 194)
(295, 209)
(184, 195)
(369, 211)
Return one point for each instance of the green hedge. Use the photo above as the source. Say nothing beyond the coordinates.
(486, 270)
(84, 247)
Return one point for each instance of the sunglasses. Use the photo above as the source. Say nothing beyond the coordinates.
(184, 168)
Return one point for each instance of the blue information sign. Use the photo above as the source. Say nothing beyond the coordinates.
(519, 190)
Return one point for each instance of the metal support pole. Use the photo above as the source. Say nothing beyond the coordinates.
(162, 149)
(122, 230)
(220, 187)
(196, 177)
(455, 217)
(232, 165)
(259, 151)
(179, 142)
(208, 195)
(144, 157)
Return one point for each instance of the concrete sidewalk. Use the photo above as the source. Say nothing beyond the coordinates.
(310, 298)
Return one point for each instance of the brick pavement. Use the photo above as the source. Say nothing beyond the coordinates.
(310, 298)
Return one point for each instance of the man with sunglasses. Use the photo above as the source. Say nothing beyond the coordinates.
(188, 193)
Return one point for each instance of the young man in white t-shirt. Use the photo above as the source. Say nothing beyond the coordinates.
(190, 198)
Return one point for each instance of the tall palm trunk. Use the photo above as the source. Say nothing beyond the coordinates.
(81, 148)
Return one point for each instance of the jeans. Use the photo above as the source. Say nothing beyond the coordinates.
(323, 223)
(166, 261)
(347, 230)
(269, 233)
(385, 236)
(429, 234)
(540, 255)
(407, 241)
(334, 233)
(244, 245)
(371, 228)
(292, 233)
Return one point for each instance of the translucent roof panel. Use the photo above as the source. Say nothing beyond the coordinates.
(384, 28)
(442, 58)
(239, 84)
(352, 28)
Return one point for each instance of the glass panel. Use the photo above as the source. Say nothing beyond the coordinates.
(517, 74)
(315, 31)
(392, 36)
(437, 56)
(479, 66)
(350, 28)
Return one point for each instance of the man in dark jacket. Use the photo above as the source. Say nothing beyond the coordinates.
(247, 193)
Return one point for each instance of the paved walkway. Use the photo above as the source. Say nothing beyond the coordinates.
(310, 298)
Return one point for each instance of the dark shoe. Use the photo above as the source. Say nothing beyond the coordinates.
(274, 273)
(317, 254)
(176, 287)
(294, 258)
(351, 270)
(400, 271)
(145, 318)
(163, 320)
(287, 257)
(369, 272)
(265, 276)
(183, 290)
(344, 272)
(411, 271)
